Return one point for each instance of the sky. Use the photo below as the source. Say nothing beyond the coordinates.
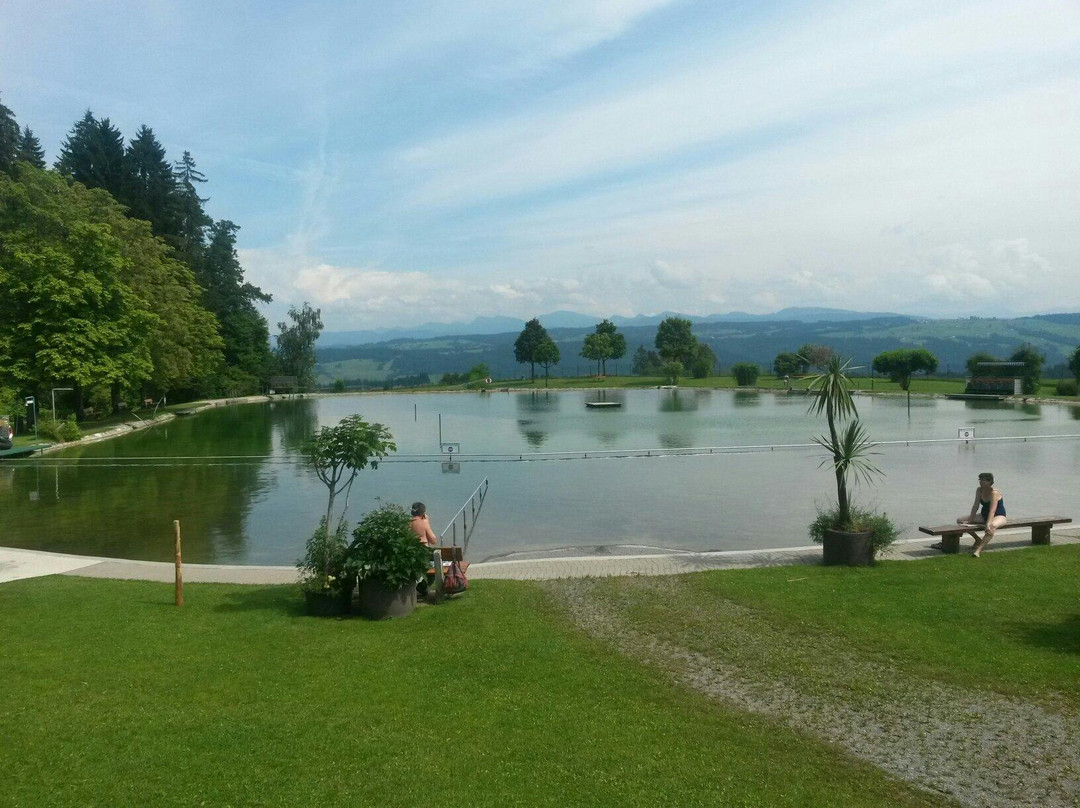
(401, 163)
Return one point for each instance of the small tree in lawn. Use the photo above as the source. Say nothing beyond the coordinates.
(745, 373)
(337, 453)
(547, 355)
(672, 371)
(1074, 365)
(900, 365)
(817, 356)
(528, 343)
(596, 347)
(1031, 375)
(790, 364)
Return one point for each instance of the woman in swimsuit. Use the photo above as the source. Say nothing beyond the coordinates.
(988, 509)
(421, 525)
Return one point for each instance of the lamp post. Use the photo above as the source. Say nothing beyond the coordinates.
(32, 402)
(54, 398)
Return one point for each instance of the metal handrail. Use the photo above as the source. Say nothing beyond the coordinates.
(468, 513)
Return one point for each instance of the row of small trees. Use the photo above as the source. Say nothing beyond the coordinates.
(678, 351)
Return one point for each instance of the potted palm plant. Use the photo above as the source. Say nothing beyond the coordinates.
(389, 560)
(849, 535)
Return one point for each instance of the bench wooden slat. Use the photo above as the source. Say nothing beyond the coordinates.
(1032, 521)
(464, 567)
(1040, 530)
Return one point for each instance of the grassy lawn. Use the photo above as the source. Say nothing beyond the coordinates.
(1008, 622)
(112, 696)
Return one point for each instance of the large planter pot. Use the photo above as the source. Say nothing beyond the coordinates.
(378, 603)
(840, 548)
(327, 604)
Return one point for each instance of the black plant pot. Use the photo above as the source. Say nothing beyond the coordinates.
(840, 548)
(327, 604)
(378, 603)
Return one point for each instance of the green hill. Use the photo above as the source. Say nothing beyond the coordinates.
(952, 341)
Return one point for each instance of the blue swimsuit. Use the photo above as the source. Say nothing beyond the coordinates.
(1000, 511)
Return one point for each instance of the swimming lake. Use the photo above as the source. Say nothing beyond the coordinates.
(669, 469)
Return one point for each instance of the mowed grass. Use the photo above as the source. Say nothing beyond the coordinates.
(113, 696)
(1007, 622)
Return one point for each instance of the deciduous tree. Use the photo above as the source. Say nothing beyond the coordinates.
(901, 364)
(547, 355)
(295, 351)
(616, 343)
(790, 364)
(530, 339)
(1032, 370)
(817, 356)
(596, 347)
(675, 342)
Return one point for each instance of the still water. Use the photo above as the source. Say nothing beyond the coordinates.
(234, 478)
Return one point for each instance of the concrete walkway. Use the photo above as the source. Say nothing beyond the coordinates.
(16, 564)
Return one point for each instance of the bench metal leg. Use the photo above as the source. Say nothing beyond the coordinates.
(950, 542)
(1040, 534)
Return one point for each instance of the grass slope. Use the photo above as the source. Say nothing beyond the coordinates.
(112, 696)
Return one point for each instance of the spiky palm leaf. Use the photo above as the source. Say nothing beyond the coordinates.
(850, 451)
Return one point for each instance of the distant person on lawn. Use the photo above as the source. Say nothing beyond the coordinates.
(988, 509)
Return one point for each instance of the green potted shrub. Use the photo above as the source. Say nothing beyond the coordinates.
(388, 561)
(849, 535)
(324, 579)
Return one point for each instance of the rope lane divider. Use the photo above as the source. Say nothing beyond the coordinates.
(497, 457)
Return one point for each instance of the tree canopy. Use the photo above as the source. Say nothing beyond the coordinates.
(295, 352)
(1031, 374)
(528, 343)
(901, 364)
(1074, 364)
(675, 342)
(790, 364)
(816, 356)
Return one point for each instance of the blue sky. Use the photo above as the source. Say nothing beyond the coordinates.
(399, 163)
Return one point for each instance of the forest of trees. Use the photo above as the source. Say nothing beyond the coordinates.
(115, 282)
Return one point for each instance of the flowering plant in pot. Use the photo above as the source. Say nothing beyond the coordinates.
(388, 560)
(849, 535)
(324, 579)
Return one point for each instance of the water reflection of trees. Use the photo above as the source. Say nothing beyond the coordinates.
(293, 421)
(747, 398)
(678, 401)
(534, 411)
(127, 510)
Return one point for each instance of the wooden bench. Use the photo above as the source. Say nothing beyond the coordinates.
(1040, 530)
(450, 554)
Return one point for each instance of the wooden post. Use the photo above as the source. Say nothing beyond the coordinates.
(179, 566)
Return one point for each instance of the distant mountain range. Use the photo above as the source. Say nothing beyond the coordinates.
(572, 319)
(733, 338)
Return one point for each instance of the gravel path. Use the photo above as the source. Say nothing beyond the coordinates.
(977, 747)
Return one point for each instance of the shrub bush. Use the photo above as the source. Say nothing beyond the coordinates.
(745, 373)
(386, 550)
(61, 431)
(1066, 387)
(883, 532)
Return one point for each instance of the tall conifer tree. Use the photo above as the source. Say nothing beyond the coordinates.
(193, 220)
(93, 154)
(150, 188)
(30, 149)
(9, 140)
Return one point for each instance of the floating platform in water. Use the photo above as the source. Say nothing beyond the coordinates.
(603, 404)
(23, 451)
